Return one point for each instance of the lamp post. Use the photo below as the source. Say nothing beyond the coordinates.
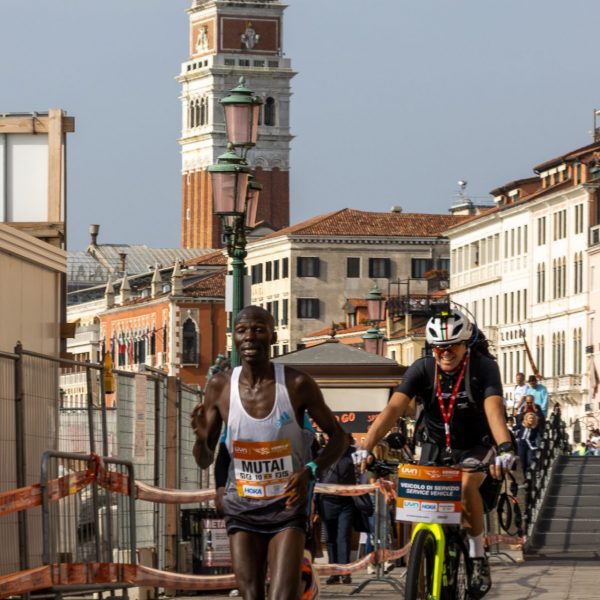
(376, 304)
(235, 194)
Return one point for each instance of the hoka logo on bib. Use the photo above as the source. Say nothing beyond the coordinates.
(284, 419)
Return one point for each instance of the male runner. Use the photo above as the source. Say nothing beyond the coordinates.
(461, 393)
(266, 498)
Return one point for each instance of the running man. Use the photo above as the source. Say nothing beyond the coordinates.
(266, 501)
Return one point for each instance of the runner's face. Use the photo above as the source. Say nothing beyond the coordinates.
(253, 337)
(449, 358)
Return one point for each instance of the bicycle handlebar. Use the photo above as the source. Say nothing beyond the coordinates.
(383, 468)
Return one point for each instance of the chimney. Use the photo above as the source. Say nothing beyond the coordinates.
(94, 229)
(122, 262)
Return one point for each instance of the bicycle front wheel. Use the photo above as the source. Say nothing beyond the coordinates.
(419, 573)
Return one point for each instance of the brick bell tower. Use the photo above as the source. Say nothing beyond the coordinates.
(229, 40)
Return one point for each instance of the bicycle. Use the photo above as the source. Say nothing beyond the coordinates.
(439, 567)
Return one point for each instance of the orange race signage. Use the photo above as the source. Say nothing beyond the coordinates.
(428, 494)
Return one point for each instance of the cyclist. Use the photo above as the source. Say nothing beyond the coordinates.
(460, 390)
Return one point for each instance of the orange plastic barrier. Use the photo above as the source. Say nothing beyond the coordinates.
(506, 539)
(30, 496)
(81, 574)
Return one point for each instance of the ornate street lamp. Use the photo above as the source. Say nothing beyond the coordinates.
(242, 109)
(235, 195)
(373, 338)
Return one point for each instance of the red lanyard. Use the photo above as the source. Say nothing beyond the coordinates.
(447, 412)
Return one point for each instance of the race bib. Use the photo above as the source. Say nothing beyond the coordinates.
(262, 468)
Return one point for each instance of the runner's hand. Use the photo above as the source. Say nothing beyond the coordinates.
(297, 487)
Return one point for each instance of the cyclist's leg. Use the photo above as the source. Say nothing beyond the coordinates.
(473, 515)
(472, 503)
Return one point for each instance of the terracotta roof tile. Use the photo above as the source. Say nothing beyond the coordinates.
(211, 286)
(350, 222)
(217, 257)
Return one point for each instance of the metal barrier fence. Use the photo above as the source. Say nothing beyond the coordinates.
(47, 403)
(93, 526)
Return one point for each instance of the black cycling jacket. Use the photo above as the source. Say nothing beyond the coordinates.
(468, 423)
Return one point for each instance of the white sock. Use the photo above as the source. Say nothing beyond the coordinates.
(476, 547)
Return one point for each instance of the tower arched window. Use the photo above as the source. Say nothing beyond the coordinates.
(191, 115)
(270, 111)
(189, 343)
(203, 111)
(198, 113)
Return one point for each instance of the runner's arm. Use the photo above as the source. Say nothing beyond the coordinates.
(305, 393)
(206, 422)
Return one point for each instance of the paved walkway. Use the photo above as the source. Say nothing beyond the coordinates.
(535, 580)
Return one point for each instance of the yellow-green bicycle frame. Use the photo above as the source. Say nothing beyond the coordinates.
(437, 531)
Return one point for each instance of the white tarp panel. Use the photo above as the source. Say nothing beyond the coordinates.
(24, 173)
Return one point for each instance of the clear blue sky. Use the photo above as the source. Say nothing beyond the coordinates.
(394, 101)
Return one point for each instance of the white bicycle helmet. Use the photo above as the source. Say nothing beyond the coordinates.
(448, 327)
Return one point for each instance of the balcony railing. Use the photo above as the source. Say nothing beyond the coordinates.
(563, 383)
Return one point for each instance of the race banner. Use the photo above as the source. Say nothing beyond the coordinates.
(428, 494)
(262, 468)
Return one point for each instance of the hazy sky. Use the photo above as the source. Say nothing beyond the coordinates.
(394, 101)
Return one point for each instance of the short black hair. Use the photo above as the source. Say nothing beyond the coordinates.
(257, 312)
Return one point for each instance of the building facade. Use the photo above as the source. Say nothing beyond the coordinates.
(304, 274)
(522, 269)
(229, 40)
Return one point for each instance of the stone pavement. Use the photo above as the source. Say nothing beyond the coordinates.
(534, 580)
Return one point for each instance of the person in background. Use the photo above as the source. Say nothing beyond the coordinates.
(595, 441)
(337, 512)
(518, 392)
(528, 436)
(539, 393)
(529, 406)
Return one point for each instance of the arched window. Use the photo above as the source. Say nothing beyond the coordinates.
(192, 114)
(197, 111)
(270, 111)
(189, 343)
(153, 342)
(203, 111)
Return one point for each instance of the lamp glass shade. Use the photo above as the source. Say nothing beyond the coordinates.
(252, 203)
(229, 191)
(373, 345)
(376, 305)
(241, 121)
